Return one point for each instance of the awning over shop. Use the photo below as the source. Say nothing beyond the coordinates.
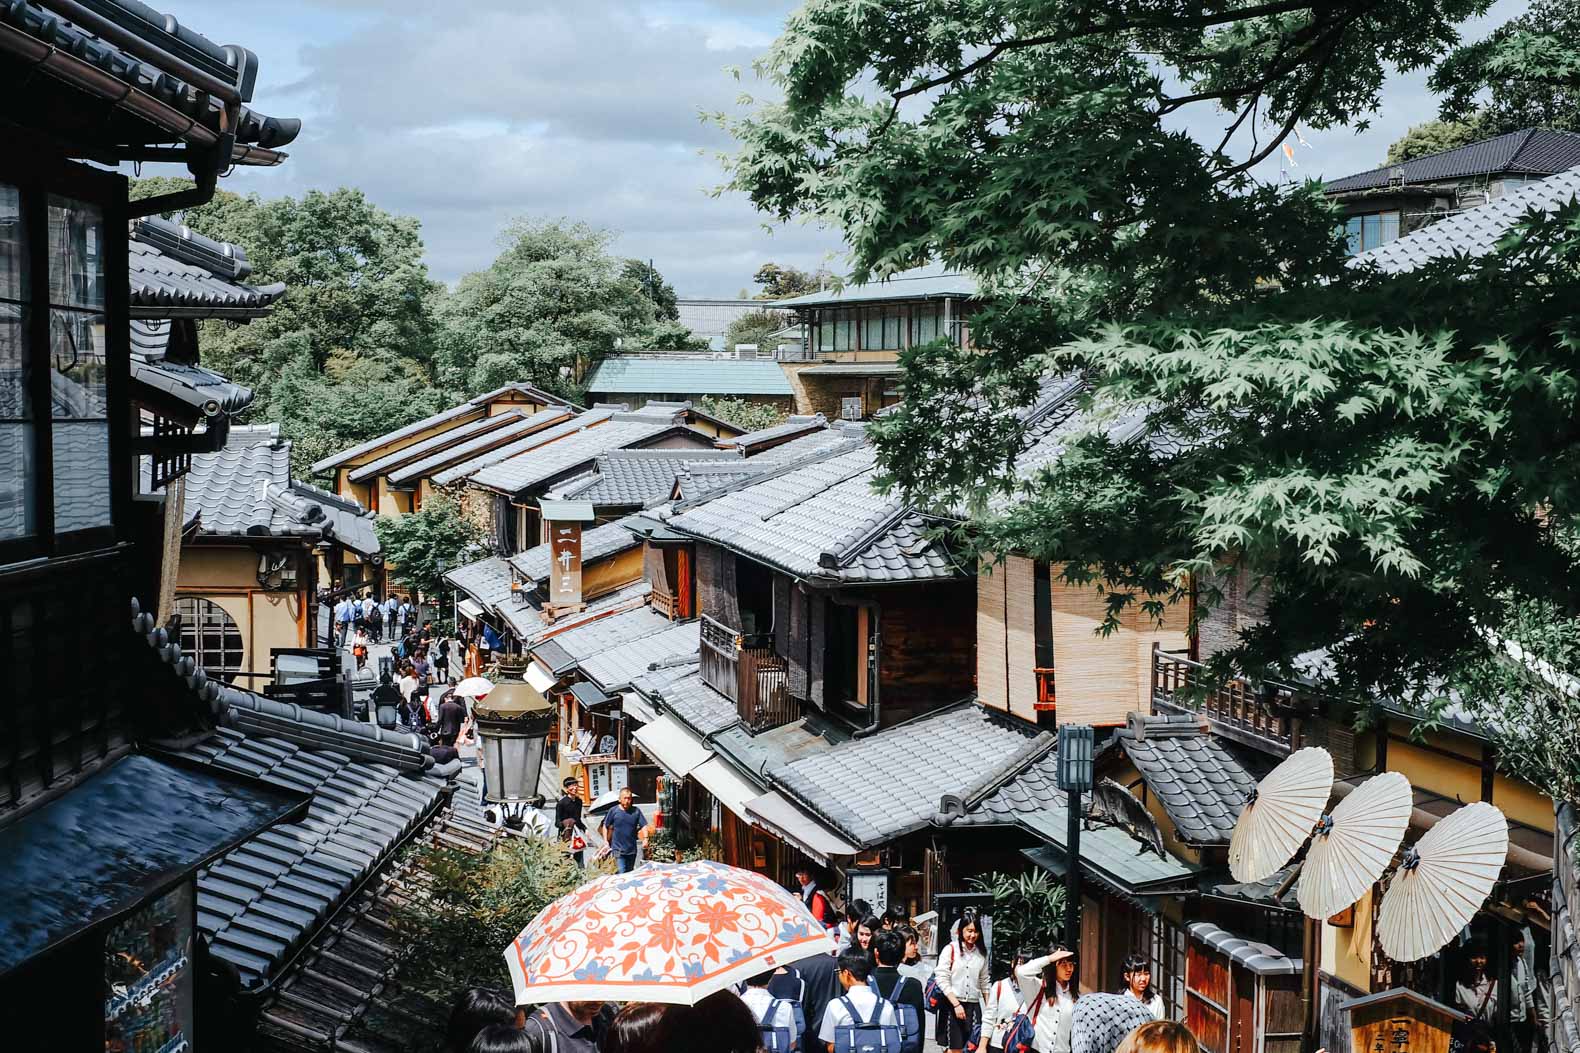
(591, 696)
(728, 786)
(99, 849)
(774, 812)
(541, 679)
(470, 608)
(667, 741)
(636, 707)
(1109, 855)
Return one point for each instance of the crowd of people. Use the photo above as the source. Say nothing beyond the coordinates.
(875, 993)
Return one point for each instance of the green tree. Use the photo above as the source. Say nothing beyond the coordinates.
(1433, 137)
(653, 285)
(1027, 912)
(750, 416)
(1524, 74)
(757, 328)
(1394, 453)
(779, 281)
(546, 311)
(419, 547)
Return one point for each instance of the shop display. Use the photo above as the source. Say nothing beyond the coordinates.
(148, 978)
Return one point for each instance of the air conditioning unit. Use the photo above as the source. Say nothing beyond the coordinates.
(850, 409)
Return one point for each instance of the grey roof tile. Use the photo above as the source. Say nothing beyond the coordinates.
(244, 490)
(455, 473)
(642, 477)
(1475, 231)
(679, 375)
(1201, 785)
(764, 438)
(462, 431)
(174, 271)
(617, 630)
(351, 524)
(548, 462)
(469, 450)
(881, 787)
(1531, 151)
(488, 582)
(680, 690)
(614, 668)
(901, 287)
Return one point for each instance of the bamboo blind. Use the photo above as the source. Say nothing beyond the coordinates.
(992, 685)
(1102, 678)
(1020, 629)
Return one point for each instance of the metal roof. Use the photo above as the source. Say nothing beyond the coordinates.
(614, 669)
(1475, 231)
(855, 369)
(532, 440)
(100, 848)
(920, 287)
(1107, 852)
(489, 440)
(445, 439)
(641, 477)
(820, 519)
(1201, 785)
(660, 375)
(1532, 151)
(1260, 958)
(176, 272)
(465, 409)
(542, 465)
(886, 785)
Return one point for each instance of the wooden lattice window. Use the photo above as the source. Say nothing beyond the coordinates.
(166, 467)
(211, 637)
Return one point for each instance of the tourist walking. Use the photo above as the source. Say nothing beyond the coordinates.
(387, 612)
(778, 1029)
(850, 1020)
(475, 1009)
(913, 965)
(387, 703)
(903, 992)
(625, 828)
(1047, 989)
(1138, 984)
(568, 1027)
(345, 616)
(568, 818)
(962, 978)
(1000, 1006)
(441, 658)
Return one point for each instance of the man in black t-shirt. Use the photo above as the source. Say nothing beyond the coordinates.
(568, 815)
(452, 714)
(889, 948)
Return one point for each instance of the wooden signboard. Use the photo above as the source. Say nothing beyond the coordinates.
(564, 520)
(1400, 1021)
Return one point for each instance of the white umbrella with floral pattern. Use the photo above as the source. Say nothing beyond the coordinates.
(666, 932)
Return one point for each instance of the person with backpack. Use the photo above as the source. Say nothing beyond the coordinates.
(780, 1021)
(962, 980)
(1048, 994)
(814, 982)
(901, 991)
(859, 1021)
(568, 1027)
(999, 1008)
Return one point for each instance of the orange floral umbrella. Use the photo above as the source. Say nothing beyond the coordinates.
(666, 932)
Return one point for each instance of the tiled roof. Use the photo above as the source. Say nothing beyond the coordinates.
(465, 409)
(1532, 151)
(882, 787)
(486, 580)
(820, 518)
(693, 479)
(680, 690)
(618, 630)
(352, 524)
(1475, 231)
(640, 477)
(547, 463)
(1201, 785)
(673, 375)
(444, 440)
(598, 543)
(244, 490)
(614, 668)
(533, 439)
(1031, 790)
(174, 271)
(795, 427)
(925, 287)
(261, 903)
(471, 448)
(206, 392)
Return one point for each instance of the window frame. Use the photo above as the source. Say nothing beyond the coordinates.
(37, 174)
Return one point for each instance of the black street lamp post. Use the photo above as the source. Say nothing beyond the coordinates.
(1074, 776)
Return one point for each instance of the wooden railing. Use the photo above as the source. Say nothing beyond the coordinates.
(1236, 709)
(1046, 699)
(746, 670)
(666, 604)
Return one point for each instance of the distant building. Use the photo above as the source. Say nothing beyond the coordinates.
(1389, 202)
(635, 379)
(708, 319)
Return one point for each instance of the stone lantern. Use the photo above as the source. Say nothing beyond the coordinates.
(513, 724)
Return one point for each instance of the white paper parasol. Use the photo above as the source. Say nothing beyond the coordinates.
(474, 687)
(1280, 814)
(1443, 881)
(1354, 845)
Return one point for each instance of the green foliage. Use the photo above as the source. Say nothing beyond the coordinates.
(661, 846)
(478, 903)
(546, 311)
(1433, 137)
(756, 327)
(750, 416)
(1028, 914)
(1394, 453)
(1525, 74)
(779, 281)
(654, 287)
(419, 547)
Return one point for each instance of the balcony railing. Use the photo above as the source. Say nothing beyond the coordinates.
(666, 604)
(1046, 699)
(1236, 709)
(746, 670)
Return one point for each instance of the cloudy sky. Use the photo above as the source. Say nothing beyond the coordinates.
(470, 112)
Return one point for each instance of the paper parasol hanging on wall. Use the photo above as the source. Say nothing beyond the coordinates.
(1443, 881)
(1354, 845)
(1280, 813)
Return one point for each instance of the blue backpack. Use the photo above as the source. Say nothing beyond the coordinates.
(866, 1036)
(776, 1039)
(910, 1023)
(1022, 1034)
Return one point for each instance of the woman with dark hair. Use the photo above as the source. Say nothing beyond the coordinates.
(477, 1008)
(962, 977)
(720, 1023)
(1138, 984)
(1048, 992)
(636, 1029)
(866, 929)
(501, 1038)
(913, 965)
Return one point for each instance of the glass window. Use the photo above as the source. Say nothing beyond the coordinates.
(845, 331)
(1389, 227)
(1352, 234)
(1367, 232)
(825, 331)
(16, 429)
(872, 331)
(891, 330)
(80, 430)
(926, 323)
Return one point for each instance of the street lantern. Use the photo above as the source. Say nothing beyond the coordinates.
(1073, 774)
(513, 729)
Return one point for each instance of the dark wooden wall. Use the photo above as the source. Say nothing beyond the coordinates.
(927, 648)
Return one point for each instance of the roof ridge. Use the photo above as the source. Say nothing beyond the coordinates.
(848, 548)
(791, 465)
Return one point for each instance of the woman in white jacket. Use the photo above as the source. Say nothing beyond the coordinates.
(999, 1008)
(1049, 982)
(962, 977)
